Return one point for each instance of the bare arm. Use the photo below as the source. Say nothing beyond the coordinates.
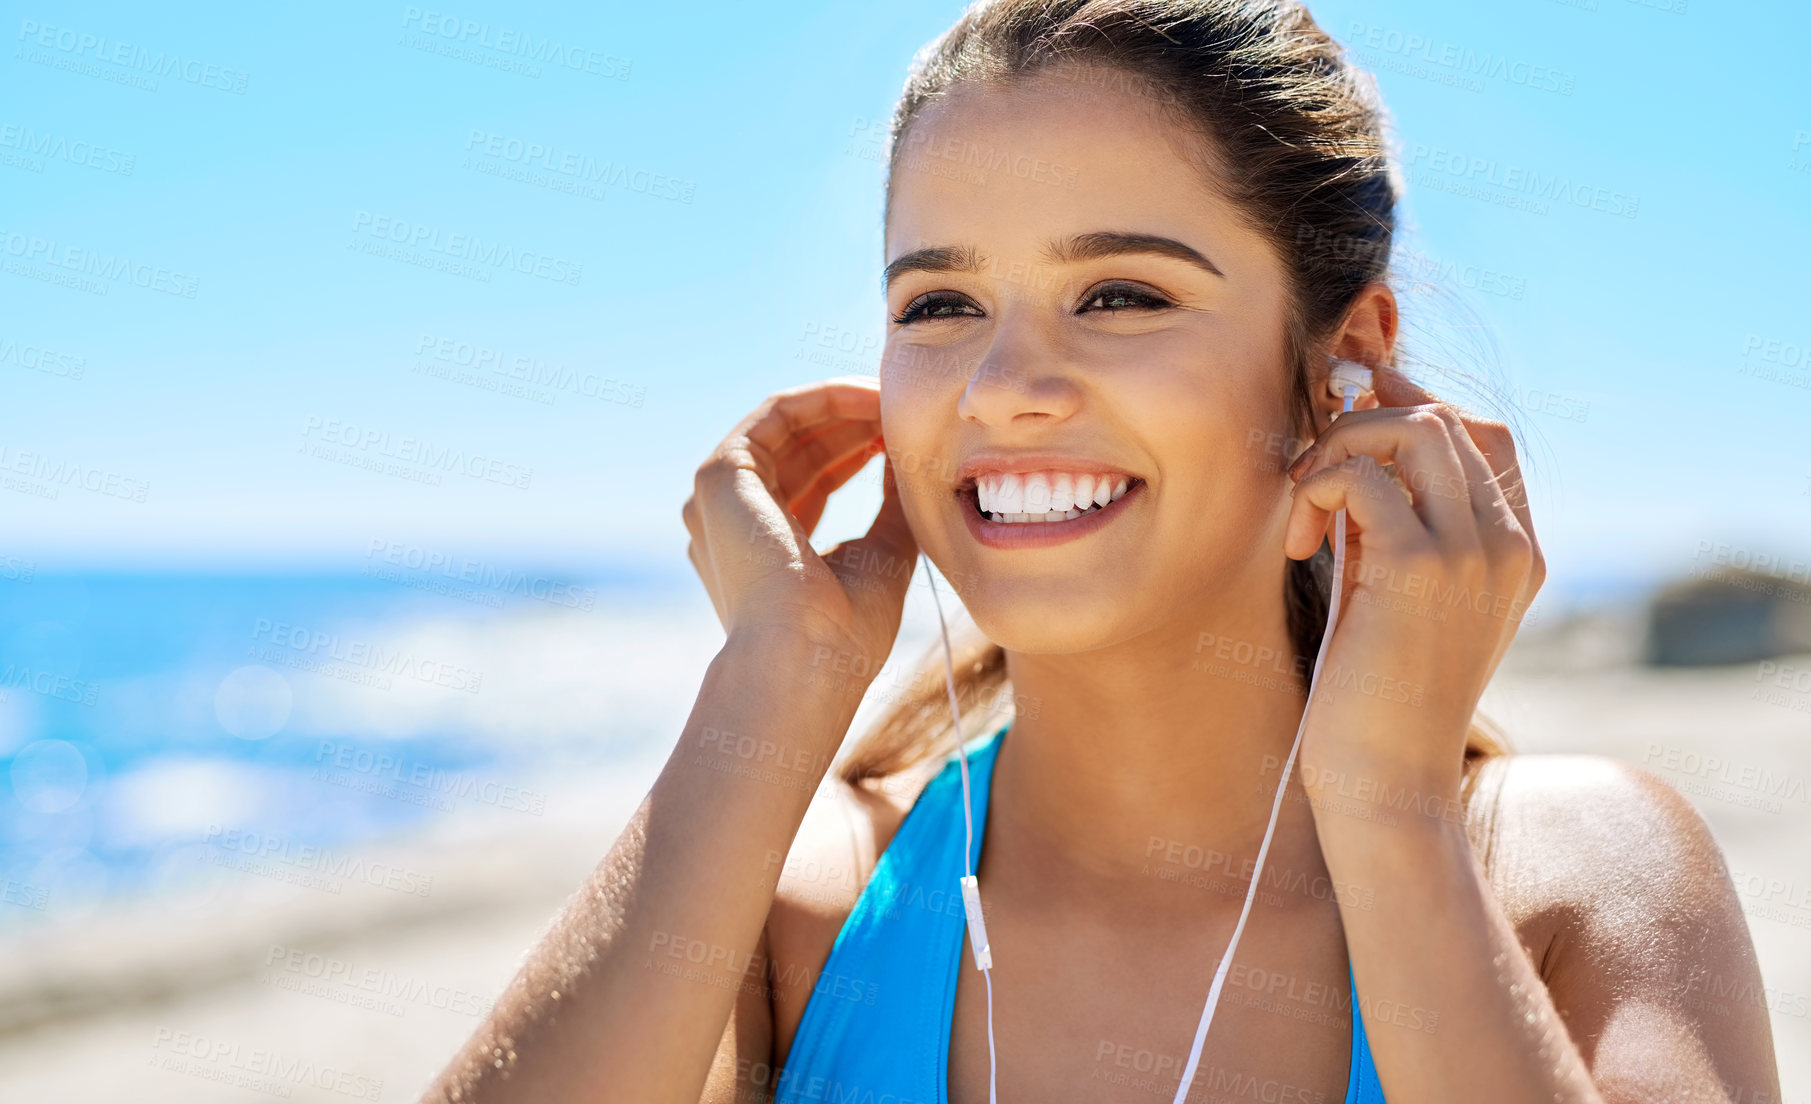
(1454, 1006)
(743, 1070)
(1454, 1009)
(629, 995)
(1648, 991)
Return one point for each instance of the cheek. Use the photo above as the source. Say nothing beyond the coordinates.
(911, 421)
(908, 413)
(1220, 435)
(1222, 390)
(924, 373)
(1206, 403)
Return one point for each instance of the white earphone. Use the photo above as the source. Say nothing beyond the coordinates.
(1348, 373)
(1346, 381)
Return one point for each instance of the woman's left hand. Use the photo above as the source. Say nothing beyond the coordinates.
(1438, 577)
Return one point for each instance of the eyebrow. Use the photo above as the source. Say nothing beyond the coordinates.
(1078, 247)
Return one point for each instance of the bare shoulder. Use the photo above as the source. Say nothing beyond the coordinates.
(1592, 836)
(1623, 899)
(844, 831)
(819, 880)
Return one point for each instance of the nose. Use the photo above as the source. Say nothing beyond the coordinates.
(1020, 382)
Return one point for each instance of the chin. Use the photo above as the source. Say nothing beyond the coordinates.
(1051, 619)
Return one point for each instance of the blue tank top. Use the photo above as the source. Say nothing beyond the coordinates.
(877, 1024)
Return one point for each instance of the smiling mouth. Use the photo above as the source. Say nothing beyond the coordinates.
(1036, 499)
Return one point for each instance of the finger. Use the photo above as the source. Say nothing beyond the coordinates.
(891, 532)
(809, 506)
(785, 445)
(1419, 442)
(1371, 499)
(745, 530)
(1392, 388)
(801, 435)
(1497, 444)
(802, 466)
(1506, 530)
(745, 527)
(1492, 438)
(1489, 505)
(795, 413)
(887, 552)
(1503, 532)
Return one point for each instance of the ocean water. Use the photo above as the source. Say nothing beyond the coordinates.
(147, 720)
(280, 722)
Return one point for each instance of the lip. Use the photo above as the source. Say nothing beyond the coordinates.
(1020, 463)
(1044, 534)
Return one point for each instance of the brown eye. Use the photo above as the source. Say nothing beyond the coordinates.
(1120, 297)
(938, 304)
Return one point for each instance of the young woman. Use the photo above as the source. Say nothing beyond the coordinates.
(1125, 241)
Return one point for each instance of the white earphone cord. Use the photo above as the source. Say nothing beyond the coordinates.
(971, 899)
(971, 891)
(1276, 805)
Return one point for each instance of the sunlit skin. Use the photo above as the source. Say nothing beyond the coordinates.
(1128, 745)
(1603, 958)
(1070, 358)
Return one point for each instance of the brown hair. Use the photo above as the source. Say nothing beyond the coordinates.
(1294, 136)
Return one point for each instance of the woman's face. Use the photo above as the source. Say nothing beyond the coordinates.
(1068, 296)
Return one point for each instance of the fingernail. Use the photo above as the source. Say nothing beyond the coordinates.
(1301, 463)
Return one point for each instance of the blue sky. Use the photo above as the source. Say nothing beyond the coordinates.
(225, 409)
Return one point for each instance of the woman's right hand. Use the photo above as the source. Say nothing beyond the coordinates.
(758, 497)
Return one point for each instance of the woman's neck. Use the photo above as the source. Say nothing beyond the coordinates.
(1163, 750)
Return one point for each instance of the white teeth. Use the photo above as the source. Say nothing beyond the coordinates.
(1012, 494)
(1043, 497)
(1037, 493)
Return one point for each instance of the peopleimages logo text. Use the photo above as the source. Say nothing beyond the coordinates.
(466, 247)
(137, 59)
(414, 450)
(55, 147)
(506, 40)
(107, 266)
(1518, 179)
(68, 473)
(1463, 59)
(332, 647)
(579, 166)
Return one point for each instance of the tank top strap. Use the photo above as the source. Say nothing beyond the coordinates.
(877, 1023)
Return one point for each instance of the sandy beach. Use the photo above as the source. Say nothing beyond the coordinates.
(255, 983)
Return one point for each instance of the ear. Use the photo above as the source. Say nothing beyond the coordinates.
(1368, 336)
